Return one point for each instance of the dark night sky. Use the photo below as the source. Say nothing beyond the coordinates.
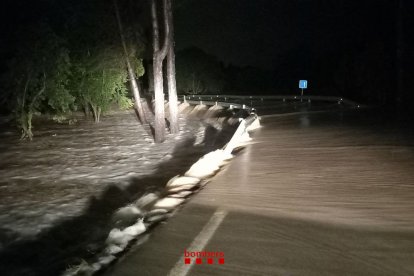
(237, 31)
(296, 39)
(292, 39)
(258, 32)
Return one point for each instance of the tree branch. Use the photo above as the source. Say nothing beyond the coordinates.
(155, 27)
(38, 93)
(163, 52)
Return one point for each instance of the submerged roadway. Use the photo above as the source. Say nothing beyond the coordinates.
(315, 194)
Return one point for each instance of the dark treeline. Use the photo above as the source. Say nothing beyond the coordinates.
(64, 56)
(350, 48)
(356, 49)
(202, 73)
(60, 56)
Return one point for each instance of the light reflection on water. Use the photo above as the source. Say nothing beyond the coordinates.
(351, 167)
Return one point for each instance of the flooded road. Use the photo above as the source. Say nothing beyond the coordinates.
(58, 192)
(56, 175)
(316, 193)
(346, 167)
(322, 190)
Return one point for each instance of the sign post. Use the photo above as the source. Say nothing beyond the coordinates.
(303, 84)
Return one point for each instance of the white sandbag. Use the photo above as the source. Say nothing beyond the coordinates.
(113, 249)
(146, 200)
(106, 260)
(168, 203)
(127, 214)
(135, 229)
(181, 194)
(157, 218)
(202, 169)
(156, 212)
(118, 238)
(181, 188)
(182, 180)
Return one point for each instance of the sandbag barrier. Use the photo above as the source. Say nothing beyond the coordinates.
(133, 221)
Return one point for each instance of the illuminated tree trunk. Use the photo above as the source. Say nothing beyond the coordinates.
(158, 57)
(131, 73)
(27, 110)
(172, 86)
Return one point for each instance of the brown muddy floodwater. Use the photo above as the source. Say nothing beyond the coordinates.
(58, 192)
(315, 193)
(55, 175)
(341, 167)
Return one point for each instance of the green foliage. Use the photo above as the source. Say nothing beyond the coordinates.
(99, 80)
(77, 64)
(123, 101)
(38, 75)
(99, 73)
(139, 67)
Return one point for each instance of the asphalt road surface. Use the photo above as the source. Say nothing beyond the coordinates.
(315, 194)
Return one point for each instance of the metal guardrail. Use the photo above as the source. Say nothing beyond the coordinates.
(239, 102)
(214, 99)
(220, 103)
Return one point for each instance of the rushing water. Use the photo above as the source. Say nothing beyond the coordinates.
(322, 190)
(69, 179)
(57, 192)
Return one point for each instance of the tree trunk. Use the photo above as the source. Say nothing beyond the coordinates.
(96, 112)
(99, 114)
(172, 85)
(131, 73)
(86, 108)
(27, 110)
(158, 57)
(400, 53)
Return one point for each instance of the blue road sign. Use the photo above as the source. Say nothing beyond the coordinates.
(303, 84)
